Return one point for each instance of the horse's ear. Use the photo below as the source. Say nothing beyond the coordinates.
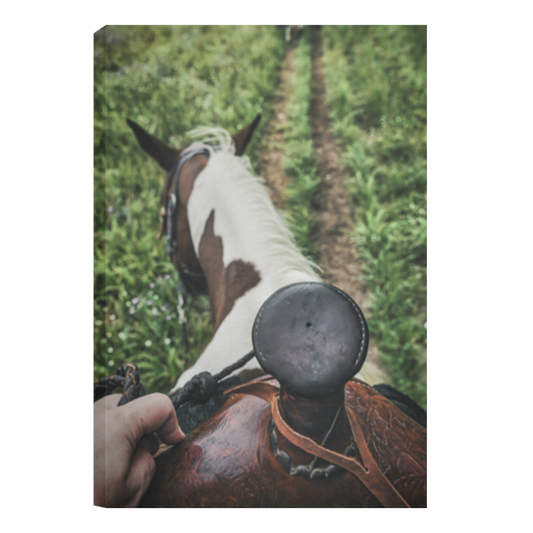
(163, 154)
(242, 138)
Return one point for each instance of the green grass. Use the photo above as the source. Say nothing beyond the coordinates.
(376, 90)
(300, 159)
(169, 79)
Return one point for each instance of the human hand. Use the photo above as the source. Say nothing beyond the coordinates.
(124, 443)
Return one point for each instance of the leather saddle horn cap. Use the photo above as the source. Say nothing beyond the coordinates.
(312, 337)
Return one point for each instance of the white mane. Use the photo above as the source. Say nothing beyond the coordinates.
(245, 218)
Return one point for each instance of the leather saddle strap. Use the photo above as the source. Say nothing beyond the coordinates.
(368, 473)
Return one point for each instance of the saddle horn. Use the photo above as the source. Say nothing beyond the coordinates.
(312, 338)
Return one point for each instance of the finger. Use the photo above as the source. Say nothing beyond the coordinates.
(141, 472)
(154, 413)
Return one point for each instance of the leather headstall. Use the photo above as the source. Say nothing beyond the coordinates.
(368, 472)
(194, 282)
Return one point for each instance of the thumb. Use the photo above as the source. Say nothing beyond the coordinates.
(153, 413)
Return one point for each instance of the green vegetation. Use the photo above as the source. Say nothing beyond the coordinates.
(300, 159)
(170, 80)
(376, 86)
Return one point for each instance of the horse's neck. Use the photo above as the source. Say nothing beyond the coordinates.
(238, 235)
(245, 251)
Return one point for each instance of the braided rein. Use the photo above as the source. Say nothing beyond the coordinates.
(197, 390)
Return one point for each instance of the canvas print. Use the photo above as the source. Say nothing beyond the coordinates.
(260, 266)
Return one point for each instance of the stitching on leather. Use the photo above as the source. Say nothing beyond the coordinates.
(359, 314)
(256, 328)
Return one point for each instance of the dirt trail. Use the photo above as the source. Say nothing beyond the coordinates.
(337, 256)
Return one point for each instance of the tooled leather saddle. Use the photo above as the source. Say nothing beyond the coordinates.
(307, 434)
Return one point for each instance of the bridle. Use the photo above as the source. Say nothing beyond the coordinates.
(193, 283)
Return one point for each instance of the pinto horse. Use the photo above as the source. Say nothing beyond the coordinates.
(225, 238)
(226, 229)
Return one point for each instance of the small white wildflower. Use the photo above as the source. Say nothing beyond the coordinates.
(167, 341)
(124, 293)
(110, 349)
(148, 344)
(108, 334)
(112, 317)
(98, 322)
(122, 335)
(111, 362)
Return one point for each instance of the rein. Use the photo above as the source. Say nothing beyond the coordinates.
(194, 283)
(197, 390)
